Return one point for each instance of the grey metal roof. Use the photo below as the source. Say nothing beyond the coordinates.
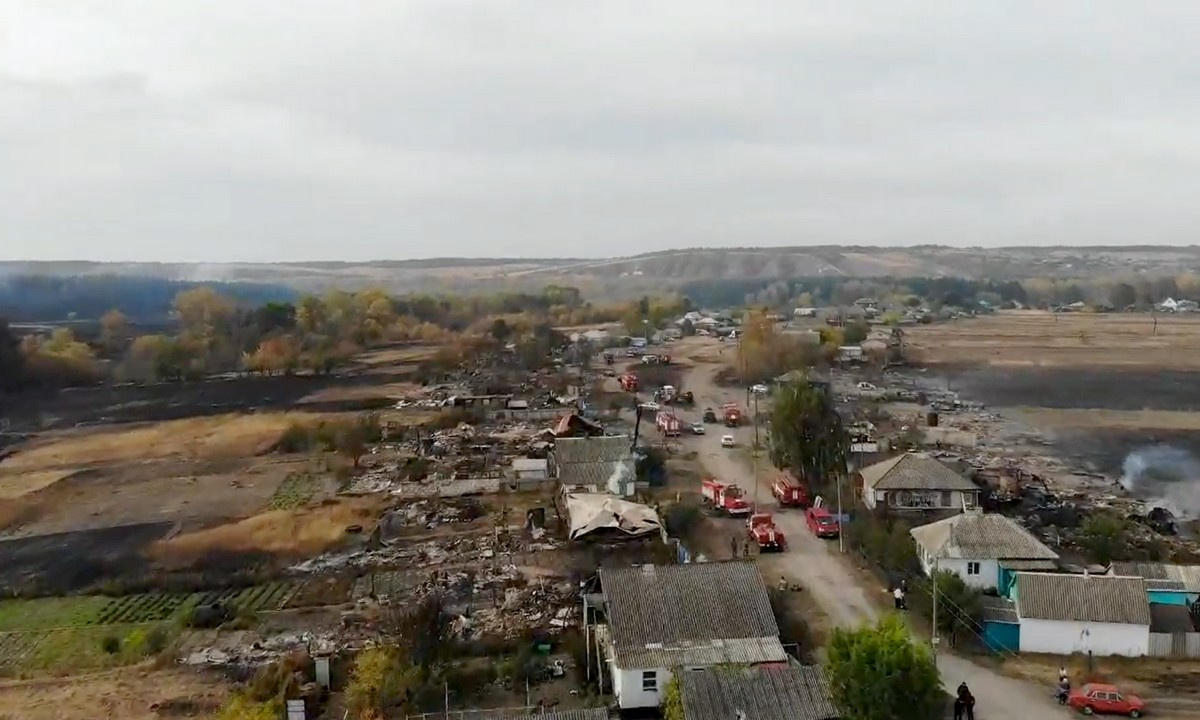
(760, 693)
(1013, 564)
(998, 609)
(576, 714)
(914, 471)
(694, 614)
(1082, 598)
(980, 536)
(1161, 576)
(593, 461)
(593, 449)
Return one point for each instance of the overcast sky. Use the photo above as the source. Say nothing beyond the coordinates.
(226, 130)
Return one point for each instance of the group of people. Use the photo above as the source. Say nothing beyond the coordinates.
(1064, 686)
(964, 703)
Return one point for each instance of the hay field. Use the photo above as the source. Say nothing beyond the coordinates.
(202, 438)
(1033, 339)
(296, 533)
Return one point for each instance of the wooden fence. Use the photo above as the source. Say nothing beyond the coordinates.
(1175, 645)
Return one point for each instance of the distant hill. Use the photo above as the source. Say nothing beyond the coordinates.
(660, 270)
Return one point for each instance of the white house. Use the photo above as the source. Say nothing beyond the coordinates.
(916, 481)
(666, 617)
(985, 550)
(1098, 614)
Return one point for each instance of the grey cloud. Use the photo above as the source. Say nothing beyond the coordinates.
(209, 130)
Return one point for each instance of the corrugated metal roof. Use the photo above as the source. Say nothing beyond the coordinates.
(594, 449)
(980, 536)
(1011, 564)
(914, 471)
(577, 714)
(761, 693)
(1165, 576)
(998, 609)
(1082, 598)
(594, 461)
(740, 651)
(694, 614)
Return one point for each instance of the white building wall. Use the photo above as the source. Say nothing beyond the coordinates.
(987, 577)
(1062, 637)
(627, 687)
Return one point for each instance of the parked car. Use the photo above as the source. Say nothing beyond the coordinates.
(866, 386)
(727, 441)
(822, 523)
(697, 428)
(760, 389)
(651, 406)
(710, 415)
(1104, 699)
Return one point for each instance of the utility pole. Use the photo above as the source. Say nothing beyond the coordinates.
(841, 535)
(933, 640)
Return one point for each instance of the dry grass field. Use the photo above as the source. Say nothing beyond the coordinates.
(131, 694)
(194, 470)
(294, 533)
(201, 438)
(1033, 339)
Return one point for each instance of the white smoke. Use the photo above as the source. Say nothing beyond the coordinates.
(1165, 476)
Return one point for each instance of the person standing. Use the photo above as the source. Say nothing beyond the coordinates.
(898, 596)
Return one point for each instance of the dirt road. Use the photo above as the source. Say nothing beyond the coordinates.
(820, 568)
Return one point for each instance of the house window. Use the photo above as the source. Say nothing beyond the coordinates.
(972, 568)
(946, 498)
(649, 681)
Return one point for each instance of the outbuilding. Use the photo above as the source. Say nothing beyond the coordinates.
(1097, 614)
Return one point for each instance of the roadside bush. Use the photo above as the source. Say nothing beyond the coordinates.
(883, 541)
(469, 680)
(110, 644)
(1105, 537)
(156, 640)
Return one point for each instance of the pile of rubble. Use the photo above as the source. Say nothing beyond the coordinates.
(234, 651)
(434, 552)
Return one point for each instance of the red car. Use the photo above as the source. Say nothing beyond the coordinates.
(822, 523)
(1101, 699)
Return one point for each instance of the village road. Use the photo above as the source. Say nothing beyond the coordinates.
(821, 569)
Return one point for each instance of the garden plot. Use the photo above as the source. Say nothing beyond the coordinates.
(88, 611)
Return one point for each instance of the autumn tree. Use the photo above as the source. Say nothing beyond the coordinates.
(807, 433)
(114, 331)
(203, 312)
(764, 352)
(274, 355)
(382, 680)
(879, 673)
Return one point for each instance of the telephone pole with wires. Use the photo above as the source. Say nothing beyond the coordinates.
(933, 635)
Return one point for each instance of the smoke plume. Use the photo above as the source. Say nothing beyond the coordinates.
(1166, 476)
